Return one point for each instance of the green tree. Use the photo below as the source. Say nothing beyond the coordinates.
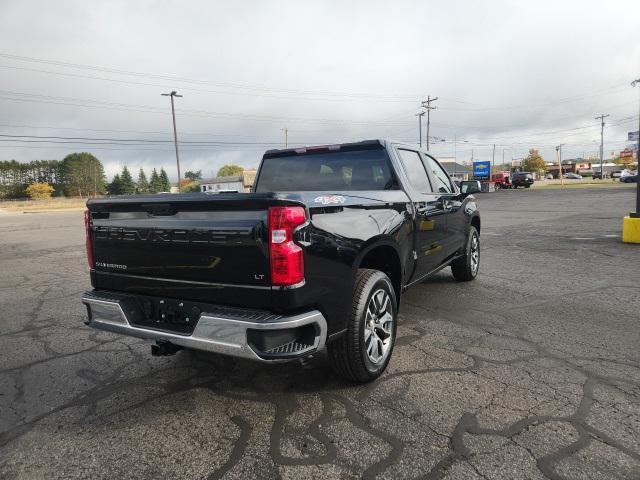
(115, 187)
(534, 162)
(193, 176)
(127, 185)
(164, 181)
(142, 185)
(227, 170)
(154, 182)
(83, 174)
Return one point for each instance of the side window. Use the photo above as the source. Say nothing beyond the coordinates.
(443, 183)
(415, 170)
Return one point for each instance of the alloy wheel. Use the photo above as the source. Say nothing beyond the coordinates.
(378, 327)
(475, 253)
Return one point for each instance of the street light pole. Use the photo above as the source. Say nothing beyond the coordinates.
(175, 132)
(637, 212)
(559, 151)
(420, 115)
(601, 117)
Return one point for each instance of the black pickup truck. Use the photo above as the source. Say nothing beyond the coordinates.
(317, 255)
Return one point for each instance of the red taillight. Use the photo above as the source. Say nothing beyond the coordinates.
(287, 258)
(89, 238)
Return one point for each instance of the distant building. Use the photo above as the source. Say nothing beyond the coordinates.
(573, 165)
(456, 170)
(233, 183)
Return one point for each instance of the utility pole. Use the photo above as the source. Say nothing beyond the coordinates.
(637, 212)
(601, 117)
(420, 115)
(493, 159)
(559, 155)
(286, 137)
(175, 132)
(455, 152)
(426, 104)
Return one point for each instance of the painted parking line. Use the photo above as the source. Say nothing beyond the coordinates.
(583, 238)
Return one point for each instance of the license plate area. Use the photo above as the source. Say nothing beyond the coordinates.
(168, 314)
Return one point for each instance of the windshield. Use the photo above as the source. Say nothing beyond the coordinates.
(332, 171)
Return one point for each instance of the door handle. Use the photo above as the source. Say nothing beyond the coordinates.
(421, 208)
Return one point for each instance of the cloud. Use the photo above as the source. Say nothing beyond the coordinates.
(517, 75)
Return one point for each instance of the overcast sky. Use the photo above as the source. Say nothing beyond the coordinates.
(517, 74)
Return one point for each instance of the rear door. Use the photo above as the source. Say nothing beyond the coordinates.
(430, 218)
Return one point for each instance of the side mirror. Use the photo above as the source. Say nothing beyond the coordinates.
(468, 187)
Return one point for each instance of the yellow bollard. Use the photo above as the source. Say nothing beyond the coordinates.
(631, 230)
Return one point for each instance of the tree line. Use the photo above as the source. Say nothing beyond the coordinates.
(123, 184)
(78, 174)
(82, 174)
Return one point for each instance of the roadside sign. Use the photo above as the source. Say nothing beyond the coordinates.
(481, 170)
(633, 136)
(627, 153)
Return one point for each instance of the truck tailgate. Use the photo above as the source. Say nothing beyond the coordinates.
(195, 244)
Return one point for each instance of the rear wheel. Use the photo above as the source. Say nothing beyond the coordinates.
(466, 267)
(363, 352)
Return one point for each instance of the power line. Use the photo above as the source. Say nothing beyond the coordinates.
(89, 103)
(174, 78)
(37, 98)
(270, 91)
(292, 95)
(134, 140)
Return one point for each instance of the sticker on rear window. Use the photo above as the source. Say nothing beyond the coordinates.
(330, 199)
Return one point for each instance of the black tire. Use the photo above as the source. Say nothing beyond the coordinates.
(497, 187)
(464, 269)
(527, 186)
(349, 355)
(514, 187)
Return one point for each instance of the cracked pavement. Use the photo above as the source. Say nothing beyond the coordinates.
(532, 371)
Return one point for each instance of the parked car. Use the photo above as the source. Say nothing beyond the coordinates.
(616, 173)
(548, 176)
(572, 176)
(501, 180)
(598, 175)
(318, 254)
(522, 179)
(627, 173)
(629, 179)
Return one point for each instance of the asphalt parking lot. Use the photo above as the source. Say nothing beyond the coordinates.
(532, 371)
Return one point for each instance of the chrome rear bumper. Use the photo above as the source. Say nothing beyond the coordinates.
(225, 333)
